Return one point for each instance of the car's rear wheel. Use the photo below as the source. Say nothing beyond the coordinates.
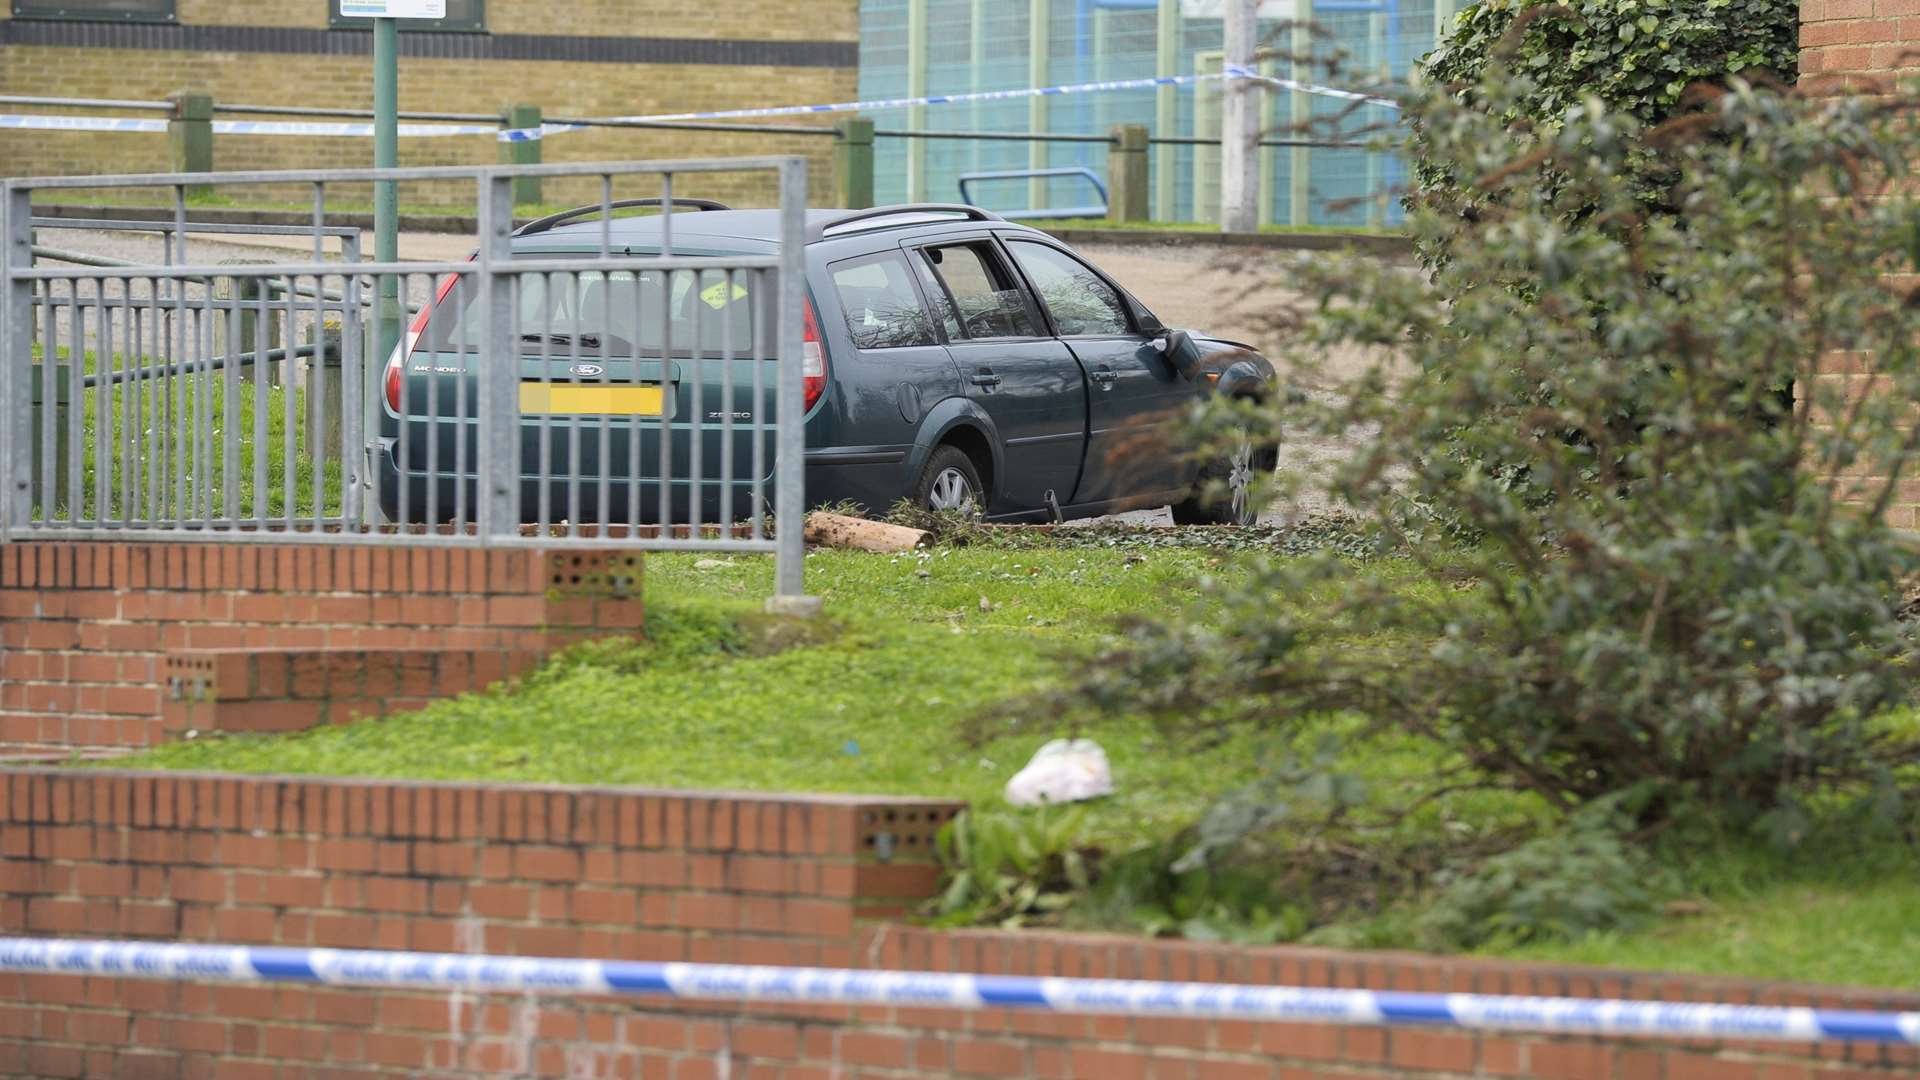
(1224, 493)
(950, 481)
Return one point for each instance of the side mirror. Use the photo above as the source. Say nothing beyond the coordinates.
(1178, 347)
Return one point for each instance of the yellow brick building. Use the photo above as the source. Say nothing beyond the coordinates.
(570, 57)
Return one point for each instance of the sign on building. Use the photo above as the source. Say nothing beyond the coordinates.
(393, 9)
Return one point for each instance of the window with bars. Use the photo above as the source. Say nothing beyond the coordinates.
(98, 10)
(463, 16)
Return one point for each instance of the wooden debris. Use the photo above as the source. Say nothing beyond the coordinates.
(860, 534)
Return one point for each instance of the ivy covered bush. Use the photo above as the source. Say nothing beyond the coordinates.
(1640, 58)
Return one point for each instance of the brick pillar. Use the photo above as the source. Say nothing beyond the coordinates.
(1860, 46)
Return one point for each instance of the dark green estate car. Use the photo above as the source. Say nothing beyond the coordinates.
(952, 358)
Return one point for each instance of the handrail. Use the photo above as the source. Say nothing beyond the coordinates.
(1080, 171)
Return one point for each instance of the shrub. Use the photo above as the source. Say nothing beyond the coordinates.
(1692, 597)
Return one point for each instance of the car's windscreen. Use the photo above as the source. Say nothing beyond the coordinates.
(618, 313)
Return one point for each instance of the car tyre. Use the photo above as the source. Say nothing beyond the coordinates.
(950, 481)
(1224, 492)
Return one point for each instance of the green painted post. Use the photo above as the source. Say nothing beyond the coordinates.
(1127, 173)
(386, 193)
(526, 189)
(190, 137)
(853, 163)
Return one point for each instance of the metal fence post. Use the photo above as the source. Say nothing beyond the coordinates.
(526, 189)
(853, 163)
(790, 447)
(16, 361)
(190, 137)
(497, 435)
(1127, 173)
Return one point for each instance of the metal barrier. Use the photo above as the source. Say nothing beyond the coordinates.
(1093, 210)
(602, 387)
(839, 986)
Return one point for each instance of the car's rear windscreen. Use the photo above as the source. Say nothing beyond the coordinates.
(620, 313)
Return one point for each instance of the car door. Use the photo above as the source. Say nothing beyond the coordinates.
(1025, 380)
(897, 369)
(1135, 396)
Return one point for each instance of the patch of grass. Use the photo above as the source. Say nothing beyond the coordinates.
(166, 440)
(1840, 910)
(461, 206)
(917, 645)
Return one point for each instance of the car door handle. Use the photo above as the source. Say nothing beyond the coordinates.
(987, 379)
(1106, 377)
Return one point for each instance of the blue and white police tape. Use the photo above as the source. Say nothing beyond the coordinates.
(828, 986)
(1310, 88)
(882, 104)
(28, 122)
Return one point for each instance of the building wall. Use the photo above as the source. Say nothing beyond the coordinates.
(696, 57)
(1102, 40)
(1857, 44)
(1861, 46)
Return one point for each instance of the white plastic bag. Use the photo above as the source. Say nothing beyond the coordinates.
(1062, 771)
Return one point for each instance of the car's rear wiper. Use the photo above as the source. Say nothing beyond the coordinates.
(587, 341)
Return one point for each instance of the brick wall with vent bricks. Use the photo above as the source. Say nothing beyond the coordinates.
(684, 876)
(123, 644)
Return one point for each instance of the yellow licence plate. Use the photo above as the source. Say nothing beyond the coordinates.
(568, 399)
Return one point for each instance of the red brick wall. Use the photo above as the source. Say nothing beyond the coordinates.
(651, 875)
(1861, 46)
(1858, 44)
(84, 626)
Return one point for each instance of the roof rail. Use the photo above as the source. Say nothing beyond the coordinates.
(554, 221)
(818, 230)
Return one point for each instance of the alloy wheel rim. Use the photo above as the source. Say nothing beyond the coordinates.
(1240, 481)
(951, 491)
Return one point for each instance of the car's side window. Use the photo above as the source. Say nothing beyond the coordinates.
(1081, 303)
(987, 301)
(883, 311)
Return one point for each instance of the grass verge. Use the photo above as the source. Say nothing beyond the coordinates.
(916, 648)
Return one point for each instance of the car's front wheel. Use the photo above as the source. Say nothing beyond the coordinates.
(950, 482)
(1224, 493)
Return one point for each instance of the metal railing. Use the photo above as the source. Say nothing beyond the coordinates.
(605, 389)
(852, 137)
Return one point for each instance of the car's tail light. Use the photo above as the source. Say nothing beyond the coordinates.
(813, 360)
(404, 348)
